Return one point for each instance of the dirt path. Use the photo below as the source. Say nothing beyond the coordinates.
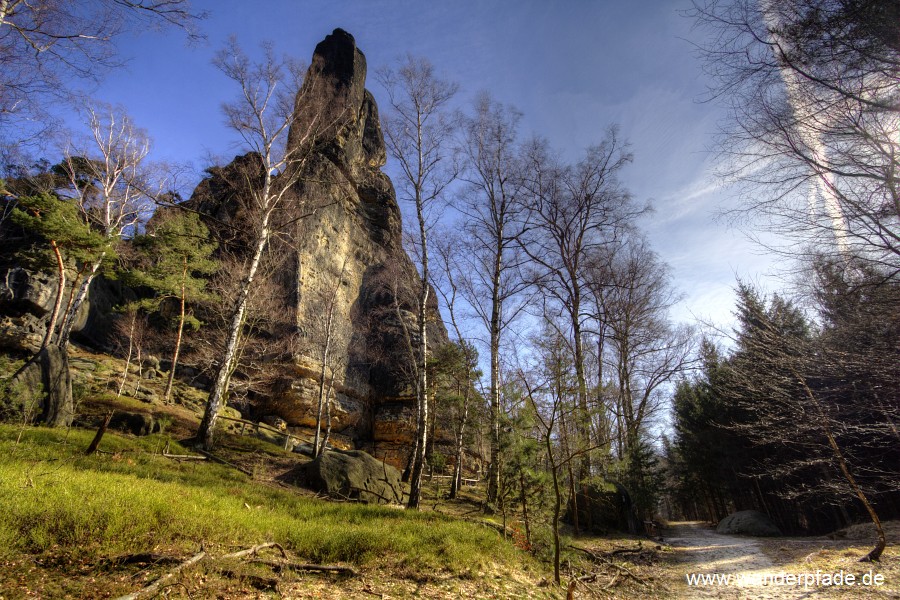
(734, 565)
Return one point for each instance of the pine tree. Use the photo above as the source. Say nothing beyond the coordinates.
(71, 240)
(176, 258)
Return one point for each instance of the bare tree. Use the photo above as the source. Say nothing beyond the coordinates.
(634, 287)
(418, 135)
(493, 207)
(449, 251)
(48, 45)
(271, 105)
(572, 212)
(815, 118)
(113, 186)
(326, 339)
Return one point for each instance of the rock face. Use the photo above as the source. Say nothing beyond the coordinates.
(338, 242)
(340, 238)
(748, 522)
(27, 297)
(357, 475)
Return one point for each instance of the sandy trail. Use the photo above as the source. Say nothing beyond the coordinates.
(737, 558)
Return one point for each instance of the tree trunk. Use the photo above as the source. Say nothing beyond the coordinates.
(95, 443)
(494, 470)
(524, 499)
(69, 320)
(327, 415)
(322, 399)
(128, 358)
(457, 468)
(582, 423)
(220, 385)
(168, 393)
(880, 541)
(61, 282)
(415, 479)
(557, 504)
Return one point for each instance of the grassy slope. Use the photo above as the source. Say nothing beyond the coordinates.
(65, 517)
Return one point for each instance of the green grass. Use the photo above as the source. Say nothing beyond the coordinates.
(56, 502)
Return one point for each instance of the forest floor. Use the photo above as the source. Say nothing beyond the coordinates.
(130, 501)
(779, 568)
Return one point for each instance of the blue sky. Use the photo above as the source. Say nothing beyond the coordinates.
(572, 67)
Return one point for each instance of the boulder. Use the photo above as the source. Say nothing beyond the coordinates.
(134, 423)
(357, 475)
(748, 522)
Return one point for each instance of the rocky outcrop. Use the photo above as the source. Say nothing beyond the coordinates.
(339, 237)
(748, 522)
(27, 297)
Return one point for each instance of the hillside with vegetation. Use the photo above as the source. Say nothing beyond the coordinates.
(407, 349)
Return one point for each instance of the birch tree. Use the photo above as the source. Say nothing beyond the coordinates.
(492, 204)
(461, 355)
(418, 134)
(327, 338)
(112, 183)
(273, 100)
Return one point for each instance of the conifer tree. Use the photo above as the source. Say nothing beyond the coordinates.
(71, 240)
(177, 252)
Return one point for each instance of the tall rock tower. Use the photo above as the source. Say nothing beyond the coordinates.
(340, 245)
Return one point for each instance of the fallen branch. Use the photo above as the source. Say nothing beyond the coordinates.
(307, 567)
(637, 550)
(606, 561)
(256, 549)
(612, 581)
(144, 558)
(285, 563)
(222, 461)
(158, 583)
(184, 456)
(278, 564)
